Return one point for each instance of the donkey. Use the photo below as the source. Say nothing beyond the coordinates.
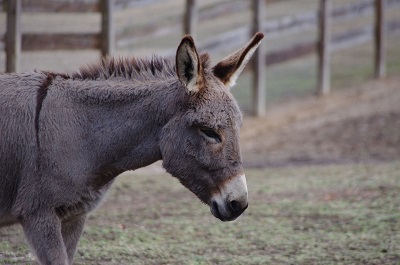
(65, 138)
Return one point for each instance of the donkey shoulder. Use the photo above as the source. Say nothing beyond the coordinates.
(17, 139)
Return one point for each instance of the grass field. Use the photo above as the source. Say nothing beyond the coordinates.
(347, 214)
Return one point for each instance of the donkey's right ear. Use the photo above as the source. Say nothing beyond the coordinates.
(228, 69)
(188, 66)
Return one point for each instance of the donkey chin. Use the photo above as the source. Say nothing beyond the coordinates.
(231, 200)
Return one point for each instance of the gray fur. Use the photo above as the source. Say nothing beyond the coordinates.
(64, 139)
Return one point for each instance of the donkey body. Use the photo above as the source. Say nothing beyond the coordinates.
(64, 138)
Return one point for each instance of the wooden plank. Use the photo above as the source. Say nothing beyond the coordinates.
(393, 27)
(13, 36)
(288, 54)
(131, 34)
(258, 62)
(2, 42)
(107, 28)
(72, 6)
(350, 38)
(60, 41)
(380, 43)
(353, 10)
(360, 8)
(219, 9)
(190, 18)
(125, 4)
(323, 83)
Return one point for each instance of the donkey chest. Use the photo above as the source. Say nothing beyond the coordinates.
(83, 204)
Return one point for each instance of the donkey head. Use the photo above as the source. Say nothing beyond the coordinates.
(200, 144)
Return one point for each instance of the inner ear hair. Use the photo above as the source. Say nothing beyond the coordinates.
(229, 69)
(188, 66)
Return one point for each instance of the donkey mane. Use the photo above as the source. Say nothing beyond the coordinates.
(140, 69)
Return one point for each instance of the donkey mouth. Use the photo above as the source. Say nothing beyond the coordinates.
(215, 211)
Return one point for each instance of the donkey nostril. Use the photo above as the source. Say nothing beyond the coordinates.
(235, 206)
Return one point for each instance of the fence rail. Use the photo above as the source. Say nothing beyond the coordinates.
(46, 6)
(14, 41)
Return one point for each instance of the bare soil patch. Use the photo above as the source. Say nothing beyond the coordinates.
(361, 124)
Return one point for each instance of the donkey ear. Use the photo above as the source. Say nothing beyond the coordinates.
(229, 69)
(188, 66)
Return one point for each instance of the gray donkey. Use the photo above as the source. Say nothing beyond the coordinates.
(65, 137)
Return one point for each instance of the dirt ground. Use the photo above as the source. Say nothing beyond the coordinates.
(360, 124)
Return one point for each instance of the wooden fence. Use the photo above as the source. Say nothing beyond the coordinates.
(109, 37)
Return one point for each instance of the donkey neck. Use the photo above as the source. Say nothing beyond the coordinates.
(151, 82)
(124, 116)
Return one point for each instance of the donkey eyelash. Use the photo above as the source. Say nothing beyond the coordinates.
(210, 133)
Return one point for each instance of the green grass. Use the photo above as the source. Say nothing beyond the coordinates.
(347, 214)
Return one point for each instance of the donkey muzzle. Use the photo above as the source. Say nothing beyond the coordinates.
(232, 199)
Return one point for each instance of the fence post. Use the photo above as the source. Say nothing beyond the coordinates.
(380, 56)
(258, 62)
(324, 59)
(190, 18)
(13, 36)
(107, 41)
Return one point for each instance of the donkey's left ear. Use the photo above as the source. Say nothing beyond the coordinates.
(229, 69)
(188, 65)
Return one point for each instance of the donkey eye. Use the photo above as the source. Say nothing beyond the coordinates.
(211, 134)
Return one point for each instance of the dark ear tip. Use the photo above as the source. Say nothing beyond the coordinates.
(187, 39)
(187, 36)
(258, 36)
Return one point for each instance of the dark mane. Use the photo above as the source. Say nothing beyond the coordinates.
(131, 68)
